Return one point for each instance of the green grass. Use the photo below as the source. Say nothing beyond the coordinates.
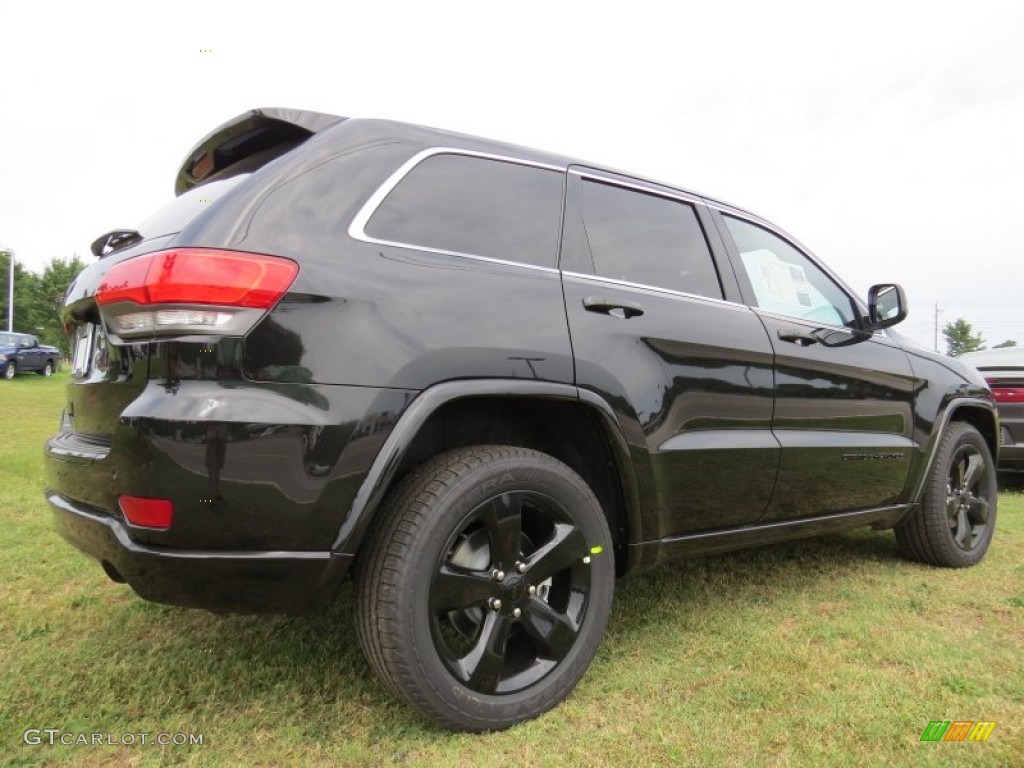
(828, 652)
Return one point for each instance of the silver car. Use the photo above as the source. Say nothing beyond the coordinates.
(1003, 369)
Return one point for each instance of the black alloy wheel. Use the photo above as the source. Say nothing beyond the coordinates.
(506, 594)
(486, 587)
(967, 505)
(953, 524)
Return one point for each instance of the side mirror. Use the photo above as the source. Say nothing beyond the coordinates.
(887, 305)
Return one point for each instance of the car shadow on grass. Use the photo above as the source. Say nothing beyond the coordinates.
(310, 671)
(750, 578)
(1011, 482)
(168, 663)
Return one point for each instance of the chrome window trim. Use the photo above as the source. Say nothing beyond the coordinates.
(357, 229)
(461, 255)
(803, 321)
(671, 194)
(582, 277)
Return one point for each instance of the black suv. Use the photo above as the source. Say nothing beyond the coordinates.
(484, 381)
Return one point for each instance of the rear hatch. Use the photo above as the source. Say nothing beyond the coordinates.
(145, 295)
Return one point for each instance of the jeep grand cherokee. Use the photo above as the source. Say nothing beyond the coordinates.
(483, 381)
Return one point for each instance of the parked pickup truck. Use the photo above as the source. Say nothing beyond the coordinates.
(23, 352)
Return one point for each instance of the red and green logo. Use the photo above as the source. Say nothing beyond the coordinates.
(957, 730)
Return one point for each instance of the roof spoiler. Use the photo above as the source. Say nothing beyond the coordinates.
(252, 132)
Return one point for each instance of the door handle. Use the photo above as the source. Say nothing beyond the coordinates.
(794, 336)
(614, 307)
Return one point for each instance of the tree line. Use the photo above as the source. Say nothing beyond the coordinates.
(38, 298)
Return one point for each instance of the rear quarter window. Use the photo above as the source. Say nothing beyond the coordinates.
(177, 214)
(474, 206)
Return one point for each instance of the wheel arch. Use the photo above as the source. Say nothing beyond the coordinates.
(980, 414)
(572, 425)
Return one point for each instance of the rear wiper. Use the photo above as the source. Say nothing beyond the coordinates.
(115, 239)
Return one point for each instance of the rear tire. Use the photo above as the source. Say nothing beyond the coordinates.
(485, 586)
(953, 525)
(10, 370)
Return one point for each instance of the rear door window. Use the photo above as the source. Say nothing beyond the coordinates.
(647, 239)
(474, 206)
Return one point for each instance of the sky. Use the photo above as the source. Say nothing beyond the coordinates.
(888, 137)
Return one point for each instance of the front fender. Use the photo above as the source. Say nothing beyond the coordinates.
(979, 411)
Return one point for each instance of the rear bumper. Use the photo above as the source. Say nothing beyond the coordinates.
(1011, 437)
(1011, 458)
(223, 582)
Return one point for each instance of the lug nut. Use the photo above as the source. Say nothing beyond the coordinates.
(516, 613)
(498, 575)
(586, 560)
(532, 590)
(521, 567)
(495, 604)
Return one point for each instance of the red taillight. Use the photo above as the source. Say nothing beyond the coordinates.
(148, 513)
(1006, 390)
(1008, 394)
(199, 276)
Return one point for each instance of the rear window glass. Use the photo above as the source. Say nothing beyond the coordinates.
(176, 215)
(475, 206)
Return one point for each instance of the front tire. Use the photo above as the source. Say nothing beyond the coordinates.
(485, 586)
(953, 525)
(47, 369)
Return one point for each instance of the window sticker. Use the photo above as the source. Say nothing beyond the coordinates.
(783, 287)
(776, 281)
